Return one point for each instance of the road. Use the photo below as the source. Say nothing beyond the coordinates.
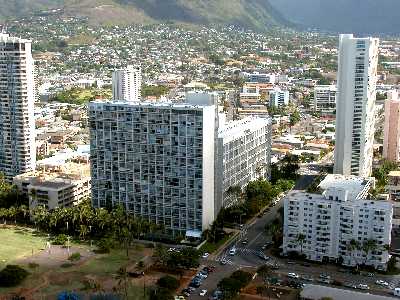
(246, 257)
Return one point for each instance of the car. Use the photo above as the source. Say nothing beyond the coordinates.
(179, 298)
(291, 263)
(205, 255)
(307, 278)
(194, 284)
(203, 293)
(362, 286)
(245, 241)
(324, 276)
(293, 275)
(232, 251)
(186, 292)
(324, 280)
(266, 245)
(382, 283)
(223, 262)
(201, 275)
(263, 256)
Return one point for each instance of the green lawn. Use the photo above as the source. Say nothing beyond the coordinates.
(17, 243)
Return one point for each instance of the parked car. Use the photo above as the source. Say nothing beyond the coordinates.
(245, 241)
(382, 283)
(232, 251)
(362, 286)
(205, 255)
(223, 262)
(293, 275)
(203, 293)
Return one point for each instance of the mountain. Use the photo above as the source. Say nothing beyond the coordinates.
(246, 13)
(358, 16)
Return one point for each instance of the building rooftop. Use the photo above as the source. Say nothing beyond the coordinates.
(311, 291)
(353, 184)
(6, 38)
(234, 129)
(394, 174)
(61, 178)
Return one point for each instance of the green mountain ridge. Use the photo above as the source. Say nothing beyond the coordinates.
(256, 14)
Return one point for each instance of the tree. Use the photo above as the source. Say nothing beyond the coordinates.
(264, 272)
(294, 118)
(300, 239)
(12, 275)
(353, 246)
(368, 246)
(123, 281)
(168, 282)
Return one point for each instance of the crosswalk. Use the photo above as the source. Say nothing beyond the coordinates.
(394, 283)
(239, 250)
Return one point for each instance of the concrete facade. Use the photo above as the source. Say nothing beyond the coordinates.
(355, 113)
(17, 97)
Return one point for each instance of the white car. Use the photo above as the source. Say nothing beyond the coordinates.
(382, 283)
(293, 275)
(232, 251)
(362, 286)
(205, 255)
(203, 293)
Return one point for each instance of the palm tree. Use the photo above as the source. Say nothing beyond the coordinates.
(353, 246)
(123, 281)
(369, 246)
(300, 239)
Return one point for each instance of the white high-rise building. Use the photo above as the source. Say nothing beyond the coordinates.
(323, 227)
(244, 154)
(355, 107)
(157, 160)
(17, 97)
(126, 84)
(325, 99)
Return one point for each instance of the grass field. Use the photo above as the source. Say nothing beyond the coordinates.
(18, 243)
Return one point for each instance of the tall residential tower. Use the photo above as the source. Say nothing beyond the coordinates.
(17, 123)
(391, 141)
(355, 108)
(126, 84)
(157, 160)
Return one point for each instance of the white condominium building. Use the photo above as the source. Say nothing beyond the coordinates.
(157, 160)
(126, 84)
(244, 154)
(325, 99)
(355, 112)
(278, 98)
(17, 124)
(324, 227)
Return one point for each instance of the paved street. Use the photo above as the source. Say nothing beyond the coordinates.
(247, 257)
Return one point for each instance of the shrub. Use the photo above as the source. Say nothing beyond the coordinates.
(168, 282)
(12, 275)
(105, 245)
(33, 265)
(75, 256)
(60, 239)
(66, 265)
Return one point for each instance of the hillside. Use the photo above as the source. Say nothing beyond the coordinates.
(246, 13)
(359, 16)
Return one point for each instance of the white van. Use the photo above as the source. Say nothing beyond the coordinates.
(232, 251)
(396, 292)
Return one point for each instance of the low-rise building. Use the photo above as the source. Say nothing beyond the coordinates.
(63, 187)
(337, 224)
(325, 99)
